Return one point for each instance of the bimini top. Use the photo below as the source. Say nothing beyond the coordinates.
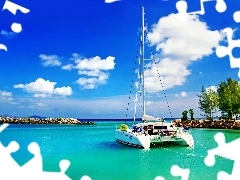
(147, 118)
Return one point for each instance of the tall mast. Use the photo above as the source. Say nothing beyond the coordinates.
(142, 58)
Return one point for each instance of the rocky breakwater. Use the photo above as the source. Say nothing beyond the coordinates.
(212, 124)
(44, 121)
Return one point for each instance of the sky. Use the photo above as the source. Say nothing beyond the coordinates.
(77, 58)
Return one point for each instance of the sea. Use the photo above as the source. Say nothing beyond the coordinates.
(93, 151)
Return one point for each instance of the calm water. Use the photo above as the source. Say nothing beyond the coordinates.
(93, 151)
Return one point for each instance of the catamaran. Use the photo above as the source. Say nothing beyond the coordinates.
(151, 131)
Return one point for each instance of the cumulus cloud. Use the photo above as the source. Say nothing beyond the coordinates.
(44, 88)
(93, 71)
(178, 44)
(67, 67)
(6, 96)
(96, 63)
(183, 94)
(212, 88)
(96, 71)
(41, 104)
(170, 72)
(90, 83)
(50, 60)
(41, 95)
(7, 34)
(66, 91)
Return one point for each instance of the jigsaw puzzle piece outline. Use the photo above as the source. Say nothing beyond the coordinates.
(12, 7)
(227, 150)
(7, 164)
(236, 16)
(182, 6)
(177, 171)
(222, 51)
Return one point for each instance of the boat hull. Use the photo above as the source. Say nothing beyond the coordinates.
(145, 141)
(132, 139)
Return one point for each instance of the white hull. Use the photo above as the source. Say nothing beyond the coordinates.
(145, 140)
(132, 139)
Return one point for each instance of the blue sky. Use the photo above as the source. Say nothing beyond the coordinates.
(76, 58)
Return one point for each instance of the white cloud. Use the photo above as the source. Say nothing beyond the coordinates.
(66, 91)
(212, 88)
(89, 83)
(41, 104)
(178, 44)
(183, 94)
(50, 60)
(41, 95)
(96, 63)
(170, 72)
(67, 67)
(93, 71)
(18, 86)
(5, 94)
(7, 34)
(44, 88)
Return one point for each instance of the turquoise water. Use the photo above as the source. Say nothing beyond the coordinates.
(92, 151)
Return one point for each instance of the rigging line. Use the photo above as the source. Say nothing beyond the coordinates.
(152, 57)
(131, 87)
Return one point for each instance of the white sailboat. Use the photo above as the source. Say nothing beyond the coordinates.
(152, 130)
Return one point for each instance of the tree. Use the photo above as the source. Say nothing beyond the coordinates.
(184, 113)
(229, 97)
(191, 112)
(208, 102)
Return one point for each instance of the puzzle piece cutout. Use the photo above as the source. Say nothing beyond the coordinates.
(222, 51)
(177, 171)
(33, 169)
(182, 7)
(3, 47)
(7, 163)
(111, 1)
(12, 7)
(16, 27)
(227, 150)
(236, 16)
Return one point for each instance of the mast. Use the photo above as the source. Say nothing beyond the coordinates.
(142, 58)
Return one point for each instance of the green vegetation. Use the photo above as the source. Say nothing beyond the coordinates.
(184, 117)
(225, 99)
(208, 102)
(229, 98)
(191, 112)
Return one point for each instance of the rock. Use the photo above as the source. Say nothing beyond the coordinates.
(43, 121)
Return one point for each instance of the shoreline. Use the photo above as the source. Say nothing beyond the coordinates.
(44, 121)
(210, 124)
